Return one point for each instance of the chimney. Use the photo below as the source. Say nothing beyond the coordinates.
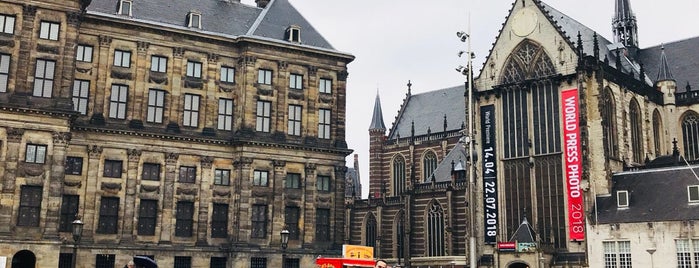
(262, 3)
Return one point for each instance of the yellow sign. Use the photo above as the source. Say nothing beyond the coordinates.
(358, 252)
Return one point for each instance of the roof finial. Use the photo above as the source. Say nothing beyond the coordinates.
(409, 87)
(624, 25)
(377, 118)
(445, 118)
(675, 150)
(595, 44)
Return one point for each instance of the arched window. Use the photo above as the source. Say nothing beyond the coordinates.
(690, 136)
(370, 231)
(657, 133)
(636, 131)
(609, 125)
(429, 164)
(398, 175)
(435, 229)
(399, 234)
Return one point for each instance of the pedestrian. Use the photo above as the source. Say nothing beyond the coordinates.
(129, 265)
(381, 264)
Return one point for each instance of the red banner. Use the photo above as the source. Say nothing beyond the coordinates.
(573, 163)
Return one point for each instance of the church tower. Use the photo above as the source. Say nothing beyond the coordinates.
(377, 132)
(624, 26)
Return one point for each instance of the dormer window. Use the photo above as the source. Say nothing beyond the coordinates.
(622, 199)
(293, 34)
(693, 193)
(194, 20)
(125, 7)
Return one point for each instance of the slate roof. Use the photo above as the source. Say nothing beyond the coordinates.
(654, 195)
(682, 58)
(457, 155)
(525, 233)
(377, 117)
(427, 111)
(219, 17)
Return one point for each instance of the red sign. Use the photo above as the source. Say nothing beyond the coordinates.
(341, 262)
(573, 163)
(507, 246)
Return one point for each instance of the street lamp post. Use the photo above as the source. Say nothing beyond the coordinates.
(651, 251)
(466, 37)
(285, 242)
(77, 234)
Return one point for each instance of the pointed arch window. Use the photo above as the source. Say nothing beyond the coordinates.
(657, 132)
(636, 131)
(690, 136)
(429, 164)
(370, 231)
(399, 237)
(398, 175)
(435, 229)
(609, 125)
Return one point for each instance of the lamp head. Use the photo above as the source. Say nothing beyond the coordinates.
(462, 35)
(285, 238)
(77, 229)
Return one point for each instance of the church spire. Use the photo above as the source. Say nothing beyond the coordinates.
(664, 72)
(377, 119)
(624, 25)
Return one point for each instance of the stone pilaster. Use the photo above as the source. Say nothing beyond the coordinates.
(307, 233)
(91, 191)
(142, 68)
(14, 141)
(338, 213)
(23, 86)
(166, 228)
(204, 199)
(127, 234)
(55, 183)
(278, 204)
(243, 193)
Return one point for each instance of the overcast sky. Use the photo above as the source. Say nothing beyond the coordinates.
(396, 41)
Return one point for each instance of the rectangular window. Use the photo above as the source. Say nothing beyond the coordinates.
(227, 74)
(325, 86)
(194, 69)
(147, 217)
(622, 199)
(84, 53)
(183, 262)
(617, 254)
(105, 261)
(225, 114)
(191, 110)
(222, 177)
(109, 215)
(693, 193)
(4, 71)
(296, 81)
(74, 165)
(151, 172)
(49, 30)
(294, 120)
(264, 116)
(65, 260)
(195, 20)
(264, 77)
(35, 154)
(43, 78)
(324, 123)
(125, 7)
(69, 209)
(322, 224)
(291, 220)
(259, 221)
(158, 64)
(291, 263)
(218, 262)
(323, 183)
(122, 58)
(156, 106)
(260, 178)
(185, 214)
(293, 181)
(7, 24)
(29, 206)
(81, 92)
(258, 262)
(219, 221)
(112, 168)
(188, 174)
(117, 101)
